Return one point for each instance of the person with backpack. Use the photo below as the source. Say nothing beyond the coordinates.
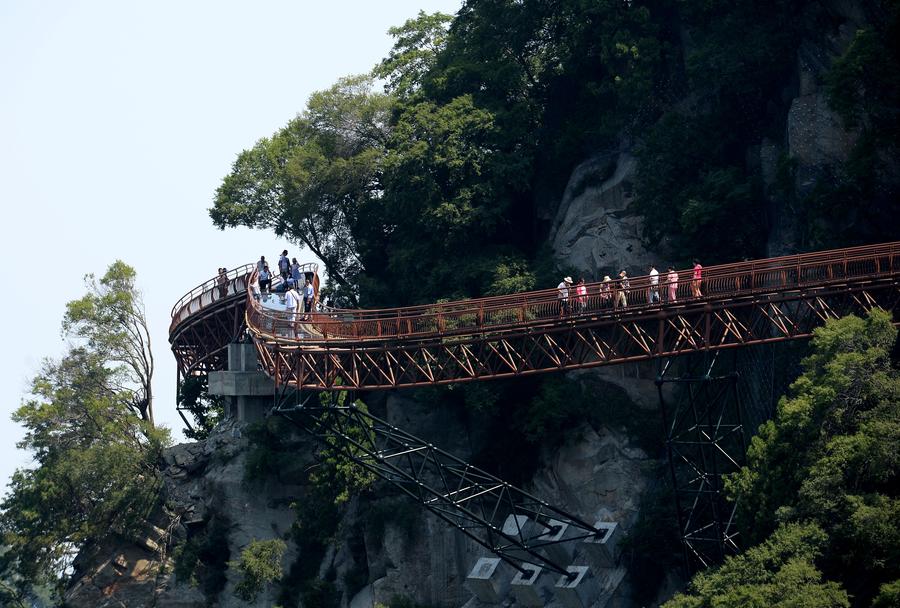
(284, 266)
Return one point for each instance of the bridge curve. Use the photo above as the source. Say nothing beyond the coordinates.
(746, 303)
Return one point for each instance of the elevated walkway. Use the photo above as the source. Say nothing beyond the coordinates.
(747, 303)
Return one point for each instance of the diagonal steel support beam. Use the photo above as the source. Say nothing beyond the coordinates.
(472, 500)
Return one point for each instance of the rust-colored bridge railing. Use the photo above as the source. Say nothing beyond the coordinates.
(518, 311)
(237, 280)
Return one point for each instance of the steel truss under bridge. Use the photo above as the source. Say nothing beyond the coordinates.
(705, 439)
(471, 500)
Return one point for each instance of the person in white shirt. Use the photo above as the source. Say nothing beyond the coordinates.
(654, 285)
(265, 279)
(291, 301)
(563, 296)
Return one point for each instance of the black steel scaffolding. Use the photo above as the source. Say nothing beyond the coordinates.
(705, 439)
(470, 499)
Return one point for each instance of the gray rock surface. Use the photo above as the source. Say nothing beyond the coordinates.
(594, 231)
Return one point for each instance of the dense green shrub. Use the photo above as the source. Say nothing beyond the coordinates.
(260, 565)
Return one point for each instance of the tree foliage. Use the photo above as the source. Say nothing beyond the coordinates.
(308, 181)
(779, 573)
(111, 322)
(831, 455)
(207, 410)
(89, 431)
(95, 469)
(259, 565)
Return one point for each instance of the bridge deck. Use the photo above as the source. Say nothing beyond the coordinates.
(746, 303)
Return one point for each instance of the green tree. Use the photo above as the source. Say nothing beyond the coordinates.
(89, 430)
(831, 456)
(418, 43)
(207, 410)
(111, 322)
(309, 180)
(779, 573)
(95, 469)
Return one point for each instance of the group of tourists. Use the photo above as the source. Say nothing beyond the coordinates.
(614, 293)
(299, 292)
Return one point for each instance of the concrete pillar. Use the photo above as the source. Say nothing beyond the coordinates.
(561, 552)
(528, 587)
(489, 579)
(242, 357)
(578, 591)
(250, 391)
(603, 550)
(524, 529)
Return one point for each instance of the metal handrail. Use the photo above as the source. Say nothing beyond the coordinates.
(205, 293)
(780, 274)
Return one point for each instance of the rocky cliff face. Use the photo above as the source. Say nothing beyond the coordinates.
(410, 554)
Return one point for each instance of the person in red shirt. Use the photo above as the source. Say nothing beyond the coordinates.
(697, 279)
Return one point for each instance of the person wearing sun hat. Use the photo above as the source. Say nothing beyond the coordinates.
(562, 295)
(622, 287)
(605, 291)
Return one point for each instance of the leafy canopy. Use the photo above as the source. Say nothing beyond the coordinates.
(110, 321)
(89, 431)
(779, 573)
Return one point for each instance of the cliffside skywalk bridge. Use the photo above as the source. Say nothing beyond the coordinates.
(742, 304)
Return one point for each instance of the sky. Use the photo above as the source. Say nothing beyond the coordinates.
(118, 120)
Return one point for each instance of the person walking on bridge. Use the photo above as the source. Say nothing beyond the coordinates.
(653, 296)
(562, 296)
(295, 274)
(222, 281)
(605, 292)
(672, 282)
(291, 302)
(697, 279)
(581, 295)
(261, 263)
(622, 287)
(309, 295)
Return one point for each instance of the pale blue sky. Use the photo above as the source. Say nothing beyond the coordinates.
(117, 122)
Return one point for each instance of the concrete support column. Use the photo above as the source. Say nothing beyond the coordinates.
(560, 552)
(489, 580)
(577, 591)
(603, 550)
(523, 528)
(528, 587)
(250, 392)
